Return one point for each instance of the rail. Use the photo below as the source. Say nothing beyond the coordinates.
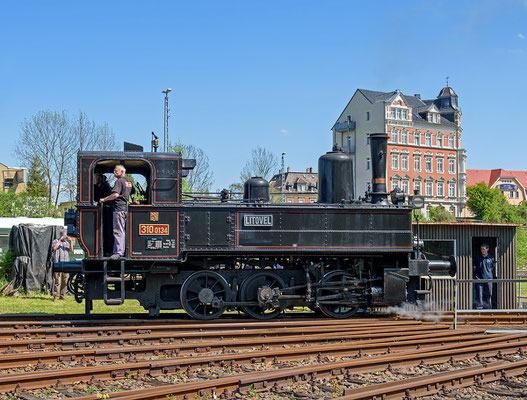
(483, 295)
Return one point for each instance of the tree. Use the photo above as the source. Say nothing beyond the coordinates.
(54, 139)
(263, 163)
(439, 214)
(200, 179)
(488, 204)
(36, 180)
(86, 135)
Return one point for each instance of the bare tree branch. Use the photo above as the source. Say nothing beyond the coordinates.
(200, 179)
(54, 139)
(263, 163)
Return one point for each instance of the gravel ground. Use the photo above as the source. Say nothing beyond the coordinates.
(325, 388)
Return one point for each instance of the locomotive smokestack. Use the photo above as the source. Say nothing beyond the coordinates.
(379, 149)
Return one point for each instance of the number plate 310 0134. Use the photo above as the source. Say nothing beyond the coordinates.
(154, 229)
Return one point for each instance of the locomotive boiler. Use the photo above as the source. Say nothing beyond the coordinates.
(339, 255)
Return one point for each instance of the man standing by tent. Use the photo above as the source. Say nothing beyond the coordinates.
(61, 248)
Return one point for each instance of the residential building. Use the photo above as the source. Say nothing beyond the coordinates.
(299, 187)
(13, 180)
(424, 146)
(512, 184)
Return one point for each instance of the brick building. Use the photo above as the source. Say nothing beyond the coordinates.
(300, 187)
(424, 145)
(13, 180)
(512, 184)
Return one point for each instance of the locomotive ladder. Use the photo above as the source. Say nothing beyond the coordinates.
(113, 301)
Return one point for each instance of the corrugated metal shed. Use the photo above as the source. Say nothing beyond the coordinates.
(466, 236)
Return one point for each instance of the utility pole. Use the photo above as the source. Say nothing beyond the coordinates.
(165, 119)
(283, 181)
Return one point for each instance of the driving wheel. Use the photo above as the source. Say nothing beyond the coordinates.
(264, 288)
(201, 292)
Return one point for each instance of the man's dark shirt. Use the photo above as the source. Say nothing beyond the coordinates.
(123, 187)
(101, 191)
(484, 267)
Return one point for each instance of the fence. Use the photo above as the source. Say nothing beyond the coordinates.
(486, 298)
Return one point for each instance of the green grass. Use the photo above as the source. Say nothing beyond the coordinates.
(44, 304)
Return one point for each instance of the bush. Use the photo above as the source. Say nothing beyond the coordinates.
(6, 265)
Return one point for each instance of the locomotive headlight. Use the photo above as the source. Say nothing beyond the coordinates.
(418, 201)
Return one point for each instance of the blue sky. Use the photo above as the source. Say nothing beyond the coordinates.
(270, 73)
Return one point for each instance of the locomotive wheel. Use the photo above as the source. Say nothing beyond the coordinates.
(200, 290)
(335, 279)
(260, 282)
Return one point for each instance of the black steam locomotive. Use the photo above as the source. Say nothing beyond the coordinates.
(338, 255)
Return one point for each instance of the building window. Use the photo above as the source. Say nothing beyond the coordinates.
(300, 200)
(417, 163)
(404, 136)
(405, 186)
(405, 114)
(404, 162)
(392, 113)
(428, 139)
(8, 183)
(440, 140)
(417, 187)
(428, 163)
(429, 191)
(452, 189)
(417, 138)
(395, 161)
(451, 141)
(440, 189)
(440, 165)
(289, 200)
(367, 115)
(451, 165)
(395, 135)
(398, 113)
(395, 183)
(368, 164)
(433, 118)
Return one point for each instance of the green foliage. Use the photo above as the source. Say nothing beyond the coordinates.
(418, 214)
(521, 246)
(488, 204)
(6, 264)
(37, 185)
(439, 214)
(24, 205)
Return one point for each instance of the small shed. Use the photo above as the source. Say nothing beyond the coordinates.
(466, 238)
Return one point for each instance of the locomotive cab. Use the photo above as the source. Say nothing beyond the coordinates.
(156, 178)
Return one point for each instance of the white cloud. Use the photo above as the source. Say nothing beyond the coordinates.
(521, 36)
(284, 131)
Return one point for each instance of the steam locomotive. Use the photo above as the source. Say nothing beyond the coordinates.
(338, 256)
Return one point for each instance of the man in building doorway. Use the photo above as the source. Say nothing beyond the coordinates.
(121, 191)
(483, 266)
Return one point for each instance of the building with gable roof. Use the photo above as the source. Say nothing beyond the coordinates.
(424, 146)
(513, 184)
(299, 187)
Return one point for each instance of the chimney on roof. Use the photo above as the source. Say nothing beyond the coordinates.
(418, 96)
(288, 169)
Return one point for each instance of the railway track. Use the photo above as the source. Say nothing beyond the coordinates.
(181, 359)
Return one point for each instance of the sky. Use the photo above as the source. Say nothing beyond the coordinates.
(274, 74)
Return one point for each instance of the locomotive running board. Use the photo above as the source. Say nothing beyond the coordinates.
(113, 301)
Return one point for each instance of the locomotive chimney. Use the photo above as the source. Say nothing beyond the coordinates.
(379, 149)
